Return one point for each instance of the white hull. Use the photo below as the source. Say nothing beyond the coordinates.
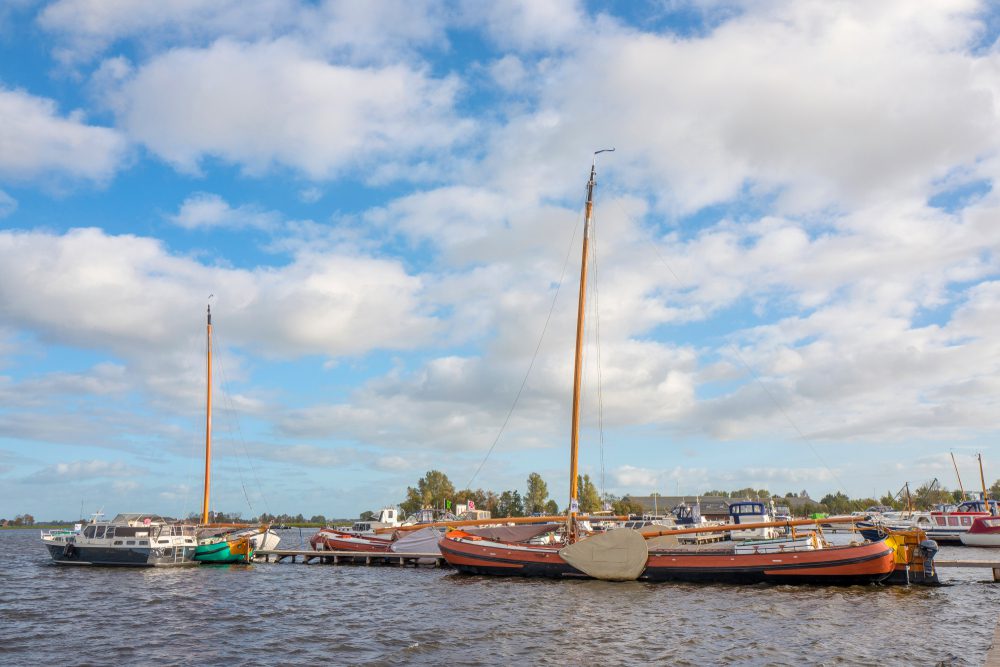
(981, 540)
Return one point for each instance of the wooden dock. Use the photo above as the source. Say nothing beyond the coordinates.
(993, 654)
(351, 557)
(991, 564)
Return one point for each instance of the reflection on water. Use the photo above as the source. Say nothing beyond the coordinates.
(296, 614)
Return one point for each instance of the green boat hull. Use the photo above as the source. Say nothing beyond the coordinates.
(218, 552)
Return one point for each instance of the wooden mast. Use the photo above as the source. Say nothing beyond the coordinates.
(574, 448)
(208, 419)
(960, 487)
(982, 479)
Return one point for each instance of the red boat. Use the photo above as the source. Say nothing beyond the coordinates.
(625, 554)
(335, 540)
(868, 562)
(985, 532)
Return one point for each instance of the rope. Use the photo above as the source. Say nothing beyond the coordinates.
(600, 379)
(534, 357)
(232, 414)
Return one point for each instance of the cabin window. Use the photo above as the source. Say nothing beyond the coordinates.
(118, 542)
(966, 521)
(940, 520)
(953, 521)
(130, 542)
(100, 532)
(142, 542)
(89, 531)
(110, 532)
(163, 541)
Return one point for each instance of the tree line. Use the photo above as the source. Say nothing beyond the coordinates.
(435, 490)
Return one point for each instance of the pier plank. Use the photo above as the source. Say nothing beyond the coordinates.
(355, 557)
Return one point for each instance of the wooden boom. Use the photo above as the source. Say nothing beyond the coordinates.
(722, 528)
(507, 520)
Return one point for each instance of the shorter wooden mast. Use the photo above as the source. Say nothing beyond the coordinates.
(208, 420)
(982, 479)
(960, 487)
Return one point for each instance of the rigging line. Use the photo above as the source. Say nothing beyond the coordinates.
(239, 431)
(600, 379)
(229, 418)
(760, 382)
(534, 357)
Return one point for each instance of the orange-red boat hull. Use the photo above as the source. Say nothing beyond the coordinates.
(852, 564)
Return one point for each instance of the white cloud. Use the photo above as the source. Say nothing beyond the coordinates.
(207, 210)
(39, 142)
(86, 470)
(7, 204)
(371, 32)
(817, 103)
(275, 104)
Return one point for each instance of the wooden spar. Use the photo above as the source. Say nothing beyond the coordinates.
(574, 438)
(960, 487)
(909, 503)
(748, 526)
(982, 478)
(208, 420)
(517, 520)
(574, 435)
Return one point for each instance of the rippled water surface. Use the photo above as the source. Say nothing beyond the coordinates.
(345, 615)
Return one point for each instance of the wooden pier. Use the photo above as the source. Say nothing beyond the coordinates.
(351, 557)
(992, 564)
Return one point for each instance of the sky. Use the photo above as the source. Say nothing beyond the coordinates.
(795, 282)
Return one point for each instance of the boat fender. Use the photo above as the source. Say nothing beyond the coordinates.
(157, 553)
(69, 551)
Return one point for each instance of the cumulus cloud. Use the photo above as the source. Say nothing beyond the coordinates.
(809, 101)
(7, 204)
(38, 141)
(273, 103)
(378, 32)
(207, 210)
(86, 470)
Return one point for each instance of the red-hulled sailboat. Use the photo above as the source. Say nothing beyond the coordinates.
(625, 554)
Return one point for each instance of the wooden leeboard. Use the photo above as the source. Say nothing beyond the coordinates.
(617, 555)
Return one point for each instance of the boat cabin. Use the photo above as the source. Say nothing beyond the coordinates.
(749, 511)
(687, 515)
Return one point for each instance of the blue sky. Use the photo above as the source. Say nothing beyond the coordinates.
(797, 278)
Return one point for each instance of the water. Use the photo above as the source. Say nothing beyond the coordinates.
(351, 615)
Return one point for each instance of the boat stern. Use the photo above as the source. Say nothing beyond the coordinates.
(913, 556)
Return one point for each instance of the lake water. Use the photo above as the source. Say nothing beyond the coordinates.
(294, 614)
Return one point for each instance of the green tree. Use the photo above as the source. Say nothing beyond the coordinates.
(590, 499)
(552, 508)
(431, 491)
(538, 493)
(368, 515)
(627, 506)
(836, 503)
(510, 504)
(478, 497)
(995, 489)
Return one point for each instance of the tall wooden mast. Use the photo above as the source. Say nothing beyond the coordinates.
(208, 419)
(574, 448)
